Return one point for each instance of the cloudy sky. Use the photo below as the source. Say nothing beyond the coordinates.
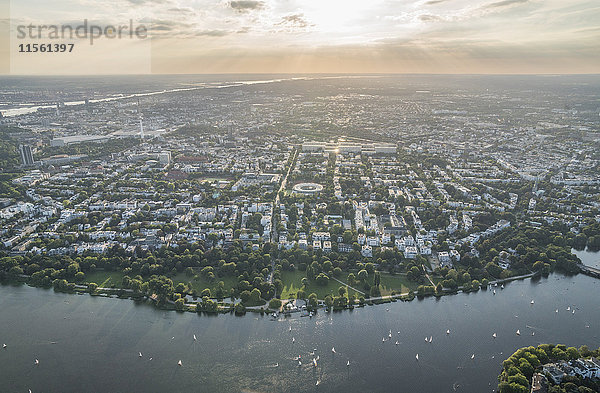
(346, 36)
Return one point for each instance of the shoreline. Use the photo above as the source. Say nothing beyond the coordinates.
(125, 293)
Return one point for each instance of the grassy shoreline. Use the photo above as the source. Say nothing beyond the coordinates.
(229, 308)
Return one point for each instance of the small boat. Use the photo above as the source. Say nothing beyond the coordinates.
(472, 356)
(290, 329)
(3, 345)
(448, 331)
(494, 291)
(348, 363)
(293, 340)
(37, 362)
(417, 357)
(390, 335)
(569, 308)
(318, 382)
(276, 365)
(150, 359)
(310, 314)
(314, 362)
(140, 354)
(383, 340)
(573, 311)
(179, 363)
(494, 335)
(397, 343)
(502, 286)
(431, 339)
(532, 302)
(556, 311)
(195, 337)
(518, 332)
(333, 349)
(533, 333)
(426, 339)
(299, 363)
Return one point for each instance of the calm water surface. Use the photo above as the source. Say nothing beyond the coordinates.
(588, 257)
(91, 344)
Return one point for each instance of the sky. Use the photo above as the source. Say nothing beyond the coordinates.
(325, 36)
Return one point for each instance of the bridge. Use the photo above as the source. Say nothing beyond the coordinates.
(590, 271)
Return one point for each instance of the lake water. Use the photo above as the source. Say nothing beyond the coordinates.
(91, 344)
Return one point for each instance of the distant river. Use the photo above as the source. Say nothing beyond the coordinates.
(91, 344)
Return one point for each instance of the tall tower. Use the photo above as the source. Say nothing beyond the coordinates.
(26, 155)
(141, 129)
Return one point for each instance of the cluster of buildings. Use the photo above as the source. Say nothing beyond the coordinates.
(556, 372)
(208, 167)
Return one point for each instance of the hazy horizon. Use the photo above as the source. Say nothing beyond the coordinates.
(292, 36)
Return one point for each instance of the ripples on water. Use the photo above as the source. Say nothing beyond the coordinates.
(98, 340)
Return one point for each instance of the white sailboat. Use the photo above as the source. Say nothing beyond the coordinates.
(195, 337)
(448, 331)
(318, 382)
(348, 363)
(140, 354)
(494, 291)
(532, 302)
(417, 357)
(314, 362)
(472, 356)
(293, 340)
(180, 363)
(397, 343)
(556, 311)
(518, 332)
(494, 335)
(431, 339)
(37, 362)
(3, 346)
(299, 363)
(333, 349)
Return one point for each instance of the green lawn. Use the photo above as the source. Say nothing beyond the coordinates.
(292, 283)
(397, 282)
(200, 284)
(105, 279)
